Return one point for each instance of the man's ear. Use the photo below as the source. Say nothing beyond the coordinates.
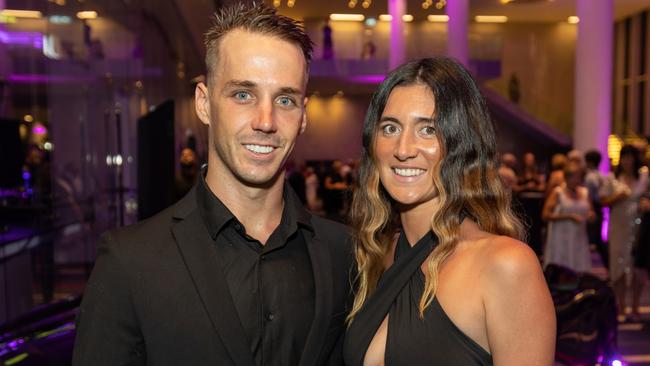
(303, 124)
(202, 103)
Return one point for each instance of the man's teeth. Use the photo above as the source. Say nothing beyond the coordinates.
(408, 172)
(259, 149)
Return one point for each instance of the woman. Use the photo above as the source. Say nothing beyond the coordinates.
(568, 209)
(454, 288)
(622, 193)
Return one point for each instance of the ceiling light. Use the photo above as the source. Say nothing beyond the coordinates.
(573, 19)
(32, 14)
(491, 18)
(347, 17)
(60, 19)
(388, 17)
(438, 18)
(87, 15)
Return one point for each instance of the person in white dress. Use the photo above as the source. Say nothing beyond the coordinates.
(567, 210)
(622, 193)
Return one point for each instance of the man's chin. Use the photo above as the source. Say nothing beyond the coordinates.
(259, 179)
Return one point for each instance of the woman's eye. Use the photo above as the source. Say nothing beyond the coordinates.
(389, 129)
(428, 130)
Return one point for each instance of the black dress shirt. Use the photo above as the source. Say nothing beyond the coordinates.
(272, 285)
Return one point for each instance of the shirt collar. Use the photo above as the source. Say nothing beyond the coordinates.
(216, 215)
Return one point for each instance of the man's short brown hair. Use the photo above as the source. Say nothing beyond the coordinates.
(257, 18)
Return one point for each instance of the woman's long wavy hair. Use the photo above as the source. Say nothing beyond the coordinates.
(466, 177)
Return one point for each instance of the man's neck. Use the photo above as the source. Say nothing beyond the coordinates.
(259, 209)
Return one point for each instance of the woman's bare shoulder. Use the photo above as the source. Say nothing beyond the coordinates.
(507, 259)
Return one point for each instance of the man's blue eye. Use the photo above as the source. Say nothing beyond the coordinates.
(285, 101)
(241, 95)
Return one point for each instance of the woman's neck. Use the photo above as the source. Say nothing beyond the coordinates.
(416, 220)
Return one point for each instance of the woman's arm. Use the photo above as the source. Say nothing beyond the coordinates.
(549, 207)
(520, 315)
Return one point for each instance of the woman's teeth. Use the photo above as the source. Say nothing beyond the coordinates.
(408, 172)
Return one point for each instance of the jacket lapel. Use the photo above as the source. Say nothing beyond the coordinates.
(195, 245)
(320, 261)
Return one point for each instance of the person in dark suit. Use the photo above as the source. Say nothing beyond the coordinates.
(237, 272)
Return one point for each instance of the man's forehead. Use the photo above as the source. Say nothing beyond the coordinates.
(276, 62)
(240, 42)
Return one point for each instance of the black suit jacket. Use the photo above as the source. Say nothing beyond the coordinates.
(157, 296)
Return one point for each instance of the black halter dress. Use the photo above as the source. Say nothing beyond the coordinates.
(434, 340)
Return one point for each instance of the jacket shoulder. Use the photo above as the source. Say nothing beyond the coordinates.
(150, 231)
(330, 229)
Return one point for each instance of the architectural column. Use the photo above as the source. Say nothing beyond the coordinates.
(457, 40)
(594, 68)
(397, 9)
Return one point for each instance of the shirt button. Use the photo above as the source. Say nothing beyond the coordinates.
(263, 257)
(270, 316)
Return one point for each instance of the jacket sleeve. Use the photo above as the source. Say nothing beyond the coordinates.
(107, 331)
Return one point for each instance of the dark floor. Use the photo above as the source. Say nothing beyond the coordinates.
(633, 337)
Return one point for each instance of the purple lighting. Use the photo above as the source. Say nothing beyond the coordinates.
(39, 130)
(33, 39)
(604, 230)
(41, 78)
(367, 79)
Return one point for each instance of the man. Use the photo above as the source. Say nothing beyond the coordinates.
(237, 272)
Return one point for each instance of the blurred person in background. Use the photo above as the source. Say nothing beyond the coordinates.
(314, 203)
(188, 173)
(530, 193)
(335, 185)
(529, 180)
(642, 254)
(622, 192)
(567, 210)
(594, 181)
(506, 171)
(556, 177)
(577, 157)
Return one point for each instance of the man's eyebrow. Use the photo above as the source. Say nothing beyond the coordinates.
(241, 84)
(290, 90)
